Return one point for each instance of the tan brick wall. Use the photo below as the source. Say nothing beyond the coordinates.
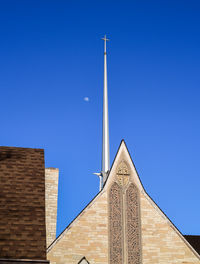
(161, 242)
(51, 194)
(87, 237)
(88, 234)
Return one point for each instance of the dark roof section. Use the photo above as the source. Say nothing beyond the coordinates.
(19, 261)
(194, 242)
(22, 204)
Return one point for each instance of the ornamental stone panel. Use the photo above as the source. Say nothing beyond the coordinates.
(124, 219)
(133, 234)
(115, 224)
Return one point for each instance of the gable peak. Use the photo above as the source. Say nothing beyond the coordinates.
(123, 168)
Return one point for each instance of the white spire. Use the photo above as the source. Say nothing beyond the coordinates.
(105, 144)
(105, 167)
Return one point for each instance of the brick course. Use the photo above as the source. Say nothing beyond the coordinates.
(161, 241)
(88, 235)
(51, 197)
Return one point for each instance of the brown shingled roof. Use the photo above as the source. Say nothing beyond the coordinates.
(22, 203)
(194, 242)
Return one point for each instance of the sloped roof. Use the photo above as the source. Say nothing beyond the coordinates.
(194, 242)
(22, 203)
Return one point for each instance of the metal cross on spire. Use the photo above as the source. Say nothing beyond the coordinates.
(105, 39)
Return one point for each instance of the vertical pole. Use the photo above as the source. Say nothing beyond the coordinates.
(105, 143)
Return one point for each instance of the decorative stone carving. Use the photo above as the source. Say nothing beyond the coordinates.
(124, 219)
(115, 223)
(133, 234)
(123, 174)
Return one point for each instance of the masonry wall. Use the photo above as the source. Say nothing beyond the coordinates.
(89, 234)
(161, 241)
(51, 197)
(87, 237)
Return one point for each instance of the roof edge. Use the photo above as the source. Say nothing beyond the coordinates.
(73, 221)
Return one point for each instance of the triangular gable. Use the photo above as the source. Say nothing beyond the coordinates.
(123, 156)
(124, 159)
(90, 234)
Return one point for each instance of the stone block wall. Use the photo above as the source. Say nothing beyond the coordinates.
(161, 241)
(90, 234)
(87, 236)
(51, 196)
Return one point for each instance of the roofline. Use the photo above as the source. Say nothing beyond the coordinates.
(84, 258)
(65, 229)
(69, 225)
(11, 147)
(175, 228)
(192, 235)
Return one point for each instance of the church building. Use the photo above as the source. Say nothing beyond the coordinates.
(121, 225)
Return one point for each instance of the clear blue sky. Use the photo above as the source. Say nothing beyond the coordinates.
(51, 57)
